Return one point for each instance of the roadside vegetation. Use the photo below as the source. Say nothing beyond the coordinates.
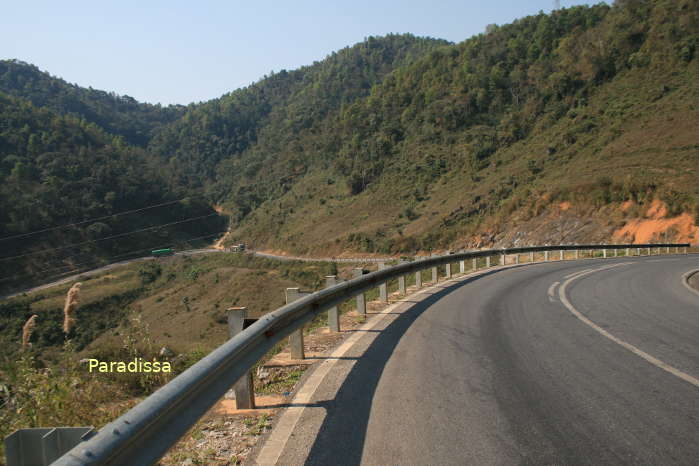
(176, 303)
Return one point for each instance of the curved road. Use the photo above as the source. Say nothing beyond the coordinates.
(579, 362)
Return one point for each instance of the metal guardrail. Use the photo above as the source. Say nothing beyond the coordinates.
(147, 431)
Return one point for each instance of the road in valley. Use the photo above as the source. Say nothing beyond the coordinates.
(579, 362)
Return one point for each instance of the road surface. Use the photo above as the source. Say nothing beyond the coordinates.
(590, 362)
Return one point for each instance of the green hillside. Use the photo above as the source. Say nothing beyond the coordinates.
(568, 127)
(69, 154)
(60, 170)
(244, 128)
(118, 115)
(587, 106)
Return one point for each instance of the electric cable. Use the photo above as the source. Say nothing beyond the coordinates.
(106, 237)
(22, 235)
(109, 259)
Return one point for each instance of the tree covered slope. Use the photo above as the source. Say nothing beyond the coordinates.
(571, 126)
(587, 107)
(118, 115)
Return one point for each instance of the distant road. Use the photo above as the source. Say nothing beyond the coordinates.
(104, 269)
(190, 252)
(322, 259)
(590, 362)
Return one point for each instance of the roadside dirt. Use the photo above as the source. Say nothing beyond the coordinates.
(656, 225)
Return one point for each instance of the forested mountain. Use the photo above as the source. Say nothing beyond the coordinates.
(473, 141)
(68, 154)
(118, 115)
(57, 170)
(279, 107)
(561, 127)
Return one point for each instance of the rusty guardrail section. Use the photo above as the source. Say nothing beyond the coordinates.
(145, 433)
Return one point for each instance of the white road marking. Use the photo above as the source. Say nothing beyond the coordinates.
(576, 273)
(551, 291)
(653, 360)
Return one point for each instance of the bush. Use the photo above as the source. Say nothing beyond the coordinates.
(149, 272)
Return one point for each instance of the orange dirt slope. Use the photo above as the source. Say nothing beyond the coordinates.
(645, 230)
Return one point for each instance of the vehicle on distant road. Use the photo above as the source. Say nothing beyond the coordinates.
(237, 247)
(162, 252)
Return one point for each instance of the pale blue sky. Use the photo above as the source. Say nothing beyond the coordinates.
(181, 51)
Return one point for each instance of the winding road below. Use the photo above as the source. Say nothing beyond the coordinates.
(575, 362)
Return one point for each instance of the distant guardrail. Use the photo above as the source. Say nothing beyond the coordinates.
(147, 431)
(322, 259)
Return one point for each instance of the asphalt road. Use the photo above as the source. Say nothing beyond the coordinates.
(526, 365)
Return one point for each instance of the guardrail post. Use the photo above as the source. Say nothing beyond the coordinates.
(434, 274)
(546, 256)
(401, 281)
(516, 258)
(638, 251)
(462, 266)
(649, 253)
(561, 254)
(243, 388)
(487, 261)
(628, 252)
(604, 253)
(667, 250)
(296, 338)
(383, 288)
(685, 249)
(333, 314)
(531, 256)
(361, 301)
(418, 279)
(503, 259)
(474, 264)
(577, 253)
(448, 270)
(677, 249)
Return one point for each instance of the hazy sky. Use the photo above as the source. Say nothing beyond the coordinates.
(186, 51)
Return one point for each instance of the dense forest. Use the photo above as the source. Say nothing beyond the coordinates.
(58, 170)
(68, 154)
(119, 115)
(396, 144)
(503, 120)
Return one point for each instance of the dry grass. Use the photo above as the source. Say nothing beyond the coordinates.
(70, 307)
(27, 331)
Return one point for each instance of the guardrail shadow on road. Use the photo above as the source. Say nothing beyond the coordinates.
(347, 415)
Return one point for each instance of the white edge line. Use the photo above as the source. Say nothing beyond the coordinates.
(655, 361)
(276, 442)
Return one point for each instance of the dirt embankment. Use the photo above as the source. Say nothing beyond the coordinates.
(656, 226)
(218, 244)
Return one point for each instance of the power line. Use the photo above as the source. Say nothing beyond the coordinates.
(108, 259)
(22, 235)
(106, 237)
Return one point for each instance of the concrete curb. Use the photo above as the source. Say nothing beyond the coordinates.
(685, 281)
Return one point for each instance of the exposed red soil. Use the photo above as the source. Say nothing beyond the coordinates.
(646, 230)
